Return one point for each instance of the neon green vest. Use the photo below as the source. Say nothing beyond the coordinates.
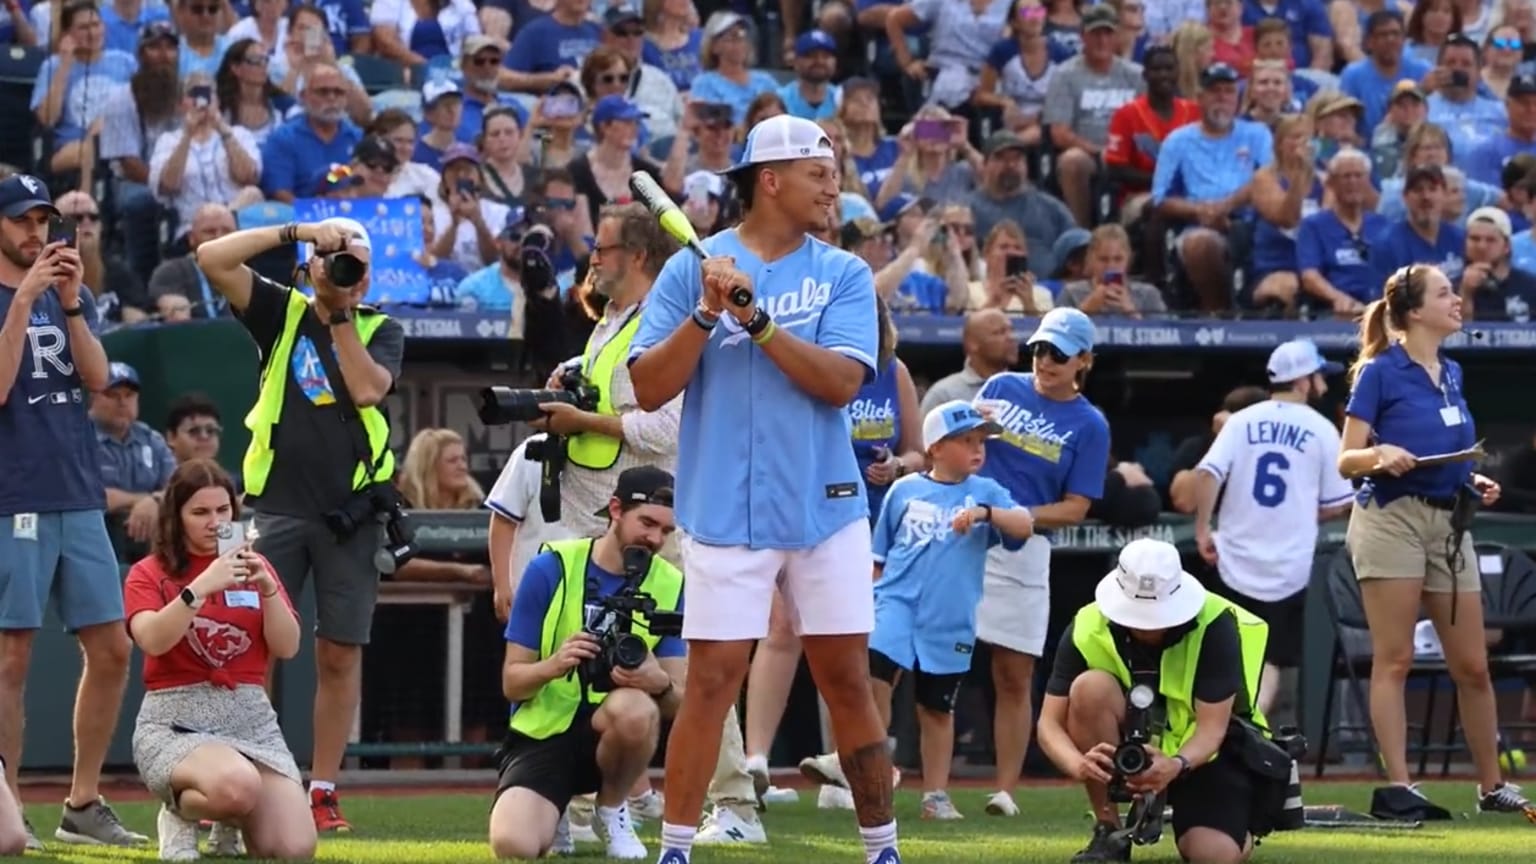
(590, 449)
(269, 405)
(551, 710)
(1176, 679)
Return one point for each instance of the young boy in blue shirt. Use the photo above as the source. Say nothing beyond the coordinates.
(930, 546)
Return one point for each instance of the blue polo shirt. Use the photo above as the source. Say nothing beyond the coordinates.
(1048, 449)
(293, 158)
(49, 462)
(345, 19)
(1405, 408)
(770, 466)
(1305, 17)
(140, 463)
(1398, 245)
(927, 566)
(1324, 244)
(124, 35)
(545, 45)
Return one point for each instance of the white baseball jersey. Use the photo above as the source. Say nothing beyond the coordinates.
(516, 496)
(1279, 464)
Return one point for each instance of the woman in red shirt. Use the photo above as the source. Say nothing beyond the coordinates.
(207, 741)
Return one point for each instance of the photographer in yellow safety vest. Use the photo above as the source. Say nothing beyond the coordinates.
(1157, 659)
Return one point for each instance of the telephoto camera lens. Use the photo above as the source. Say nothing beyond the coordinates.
(628, 651)
(344, 269)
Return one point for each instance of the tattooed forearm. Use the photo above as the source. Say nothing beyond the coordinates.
(868, 770)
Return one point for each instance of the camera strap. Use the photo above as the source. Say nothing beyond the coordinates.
(361, 448)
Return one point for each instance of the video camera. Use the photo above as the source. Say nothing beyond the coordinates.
(500, 406)
(611, 619)
(380, 503)
(1131, 757)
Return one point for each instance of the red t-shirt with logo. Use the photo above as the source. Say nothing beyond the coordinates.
(1136, 132)
(224, 645)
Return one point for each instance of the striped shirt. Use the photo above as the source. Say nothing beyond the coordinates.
(205, 175)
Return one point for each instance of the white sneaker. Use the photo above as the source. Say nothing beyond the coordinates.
(225, 841)
(578, 820)
(824, 769)
(178, 837)
(1001, 804)
(757, 766)
(937, 805)
(834, 798)
(614, 828)
(780, 795)
(724, 825)
(647, 806)
(562, 844)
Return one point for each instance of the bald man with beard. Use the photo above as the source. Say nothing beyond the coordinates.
(990, 348)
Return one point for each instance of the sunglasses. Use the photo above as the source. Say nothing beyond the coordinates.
(255, 60)
(205, 430)
(560, 203)
(1507, 43)
(1042, 350)
(1032, 13)
(614, 78)
(85, 217)
(380, 167)
(629, 32)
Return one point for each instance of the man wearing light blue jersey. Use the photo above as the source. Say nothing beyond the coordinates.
(769, 495)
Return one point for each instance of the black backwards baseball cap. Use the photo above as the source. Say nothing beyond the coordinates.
(643, 484)
(22, 193)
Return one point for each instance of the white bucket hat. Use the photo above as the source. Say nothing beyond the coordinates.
(1149, 590)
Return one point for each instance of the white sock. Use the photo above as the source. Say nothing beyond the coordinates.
(607, 814)
(322, 785)
(677, 838)
(877, 840)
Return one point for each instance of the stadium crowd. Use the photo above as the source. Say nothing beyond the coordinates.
(1120, 159)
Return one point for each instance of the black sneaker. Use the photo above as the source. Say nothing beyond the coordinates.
(1406, 804)
(1505, 798)
(1146, 820)
(1109, 843)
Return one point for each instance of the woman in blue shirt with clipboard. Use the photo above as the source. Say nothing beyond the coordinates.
(1051, 457)
(1407, 537)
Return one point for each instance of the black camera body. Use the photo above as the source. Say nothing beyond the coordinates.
(381, 503)
(611, 622)
(1131, 757)
(500, 406)
(344, 269)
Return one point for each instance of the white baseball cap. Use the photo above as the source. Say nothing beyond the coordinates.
(953, 418)
(782, 139)
(359, 238)
(1495, 217)
(1149, 590)
(1296, 359)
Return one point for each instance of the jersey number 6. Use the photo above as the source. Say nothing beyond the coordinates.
(1268, 482)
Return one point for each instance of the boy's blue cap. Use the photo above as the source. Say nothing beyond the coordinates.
(953, 418)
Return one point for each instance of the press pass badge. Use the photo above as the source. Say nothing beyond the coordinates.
(24, 526)
(1451, 415)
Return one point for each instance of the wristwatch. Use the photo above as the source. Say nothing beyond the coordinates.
(1183, 763)
(75, 311)
(341, 316)
(189, 597)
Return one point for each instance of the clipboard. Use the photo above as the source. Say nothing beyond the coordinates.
(1475, 453)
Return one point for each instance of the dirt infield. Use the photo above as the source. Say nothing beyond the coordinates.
(43, 790)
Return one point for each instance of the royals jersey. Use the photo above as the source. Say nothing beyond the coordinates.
(49, 461)
(1279, 463)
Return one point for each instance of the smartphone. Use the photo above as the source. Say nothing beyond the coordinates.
(61, 229)
(468, 187)
(931, 131)
(561, 106)
(1114, 277)
(202, 95)
(231, 537)
(941, 236)
(311, 41)
(1460, 78)
(1018, 265)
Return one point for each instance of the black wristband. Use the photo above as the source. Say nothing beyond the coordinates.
(988, 509)
(289, 233)
(75, 311)
(704, 323)
(757, 323)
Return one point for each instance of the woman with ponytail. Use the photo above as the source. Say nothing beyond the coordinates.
(1407, 402)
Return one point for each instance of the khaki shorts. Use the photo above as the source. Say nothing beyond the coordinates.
(1406, 539)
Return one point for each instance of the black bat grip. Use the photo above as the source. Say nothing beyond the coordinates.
(740, 297)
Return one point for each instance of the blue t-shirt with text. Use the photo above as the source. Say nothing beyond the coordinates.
(1326, 245)
(1048, 449)
(546, 45)
(49, 460)
(927, 566)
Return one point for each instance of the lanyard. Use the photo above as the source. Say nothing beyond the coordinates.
(210, 308)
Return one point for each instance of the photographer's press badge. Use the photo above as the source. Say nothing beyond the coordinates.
(596, 619)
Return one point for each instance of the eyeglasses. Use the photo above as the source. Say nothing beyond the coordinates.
(84, 217)
(255, 60)
(1042, 350)
(380, 167)
(1507, 43)
(328, 92)
(205, 430)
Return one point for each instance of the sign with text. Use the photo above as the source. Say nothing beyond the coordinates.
(394, 227)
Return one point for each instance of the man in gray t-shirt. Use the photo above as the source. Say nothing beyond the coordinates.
(1084, 93)
(1004, 194)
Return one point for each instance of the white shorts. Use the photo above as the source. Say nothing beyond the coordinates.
(1015, 607)
(827, 589)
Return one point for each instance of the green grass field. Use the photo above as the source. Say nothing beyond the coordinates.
(446, 829)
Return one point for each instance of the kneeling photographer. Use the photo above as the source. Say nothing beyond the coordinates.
(318, 471)
(1151, 700)
(593, 663)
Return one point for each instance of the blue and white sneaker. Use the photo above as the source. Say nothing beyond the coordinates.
(673, 856)
(888, 855)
